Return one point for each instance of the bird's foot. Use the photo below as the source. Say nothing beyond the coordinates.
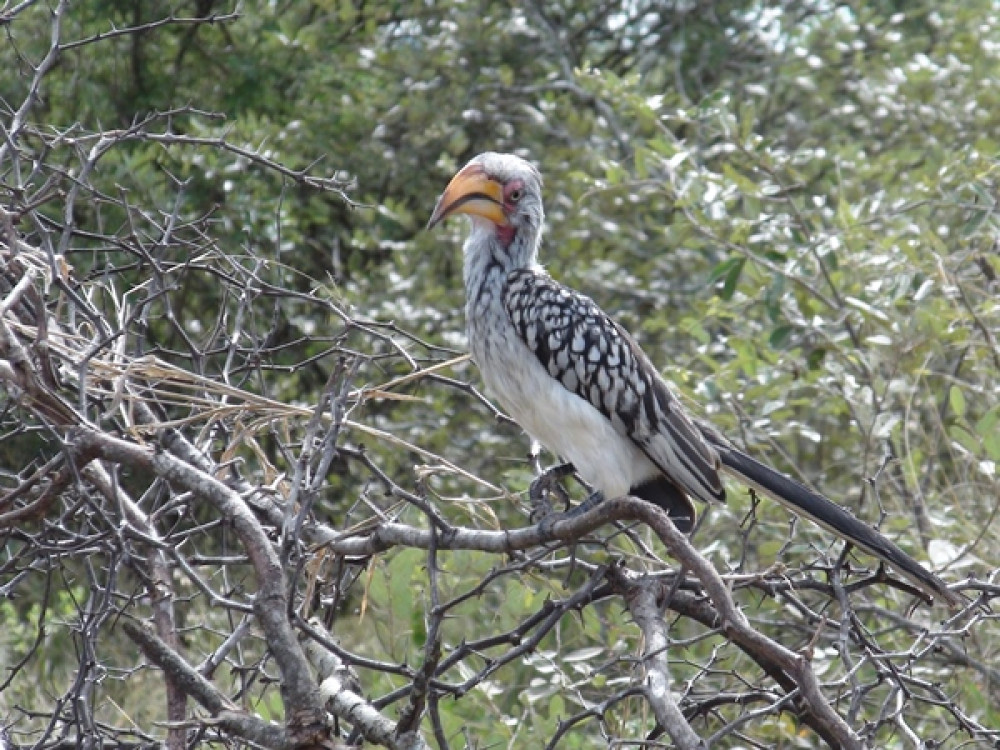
(547, 522)
(546, 485)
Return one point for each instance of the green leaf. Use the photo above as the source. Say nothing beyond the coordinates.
(748, 118)
(988, 423)
(556, 707)
(964, 438)
(779, 336)
(988, 429)
(976, 218)
(956, 399)
(772, 300)
(991, 444)
(815, 358)
(418, 626)
(729, 271)
(743, 183)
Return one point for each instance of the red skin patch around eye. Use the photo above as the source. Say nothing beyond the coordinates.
(512, 187)
(506, 234)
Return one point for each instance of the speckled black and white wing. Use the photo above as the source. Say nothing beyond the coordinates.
(595, 358)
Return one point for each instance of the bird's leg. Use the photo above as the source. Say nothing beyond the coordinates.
(546, 484)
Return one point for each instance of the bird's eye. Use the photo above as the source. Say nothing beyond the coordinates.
(515, 195)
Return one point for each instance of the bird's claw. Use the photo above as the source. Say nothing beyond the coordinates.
(544, 486)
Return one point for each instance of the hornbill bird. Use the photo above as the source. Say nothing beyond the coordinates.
(578, 383)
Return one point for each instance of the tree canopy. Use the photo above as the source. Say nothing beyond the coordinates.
(251, 491)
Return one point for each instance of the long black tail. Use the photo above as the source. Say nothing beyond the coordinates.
(805, 502)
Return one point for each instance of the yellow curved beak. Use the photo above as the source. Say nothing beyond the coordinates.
(471, 192)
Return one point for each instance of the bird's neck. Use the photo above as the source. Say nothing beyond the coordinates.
(488, 259)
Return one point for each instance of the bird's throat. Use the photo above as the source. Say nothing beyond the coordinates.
(506, 234)
(490, 254)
